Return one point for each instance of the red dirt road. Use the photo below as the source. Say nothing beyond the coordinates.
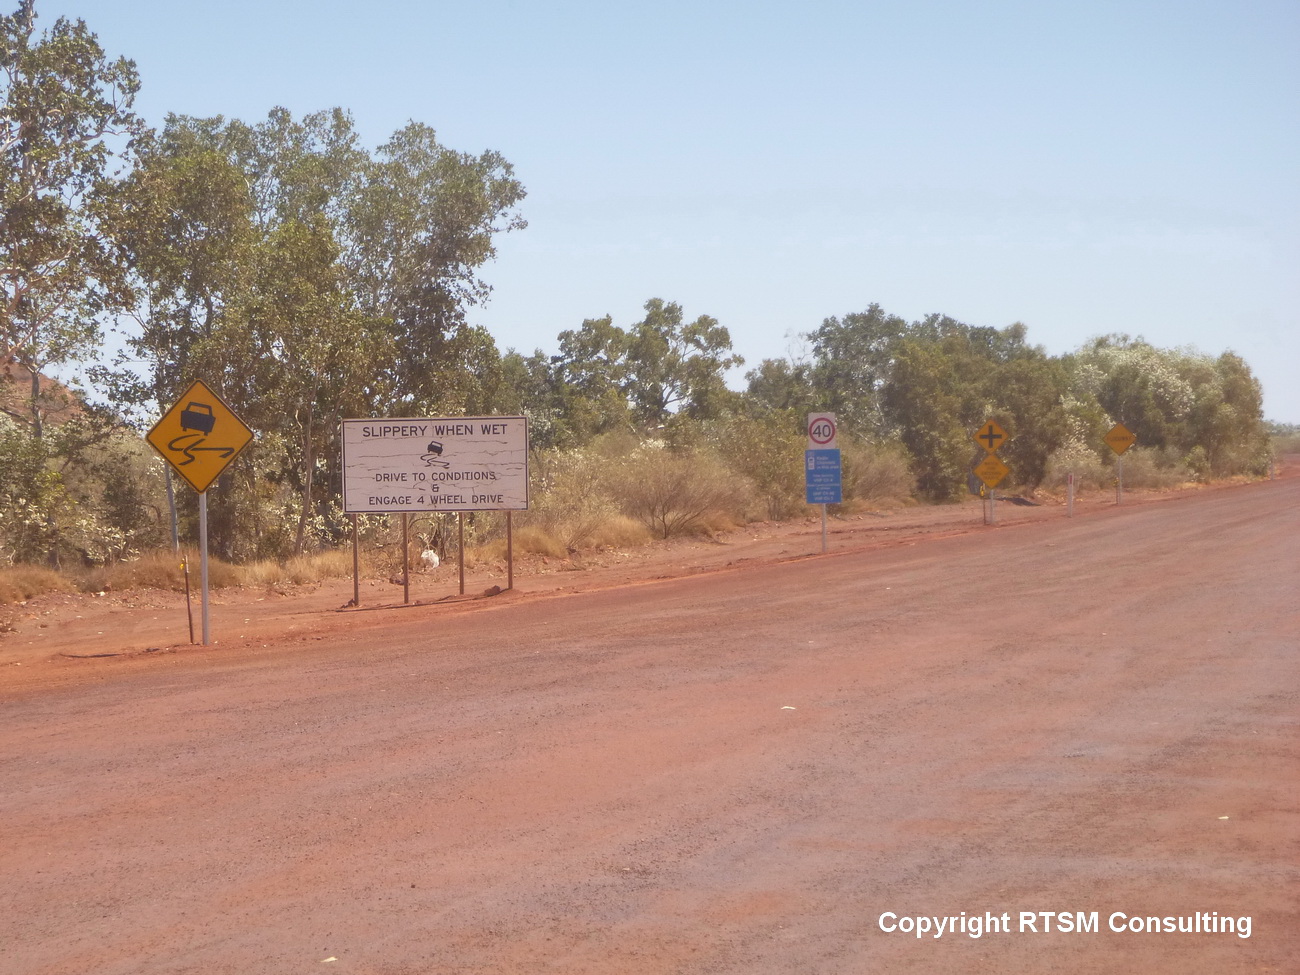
(735, 772)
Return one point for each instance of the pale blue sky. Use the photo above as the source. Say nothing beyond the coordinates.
(1085, 168)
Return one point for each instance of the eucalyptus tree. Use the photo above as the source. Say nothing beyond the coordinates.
(309, 279)
(783, 386)
(674, 365)
(307, 342)
(64, 107)
(589, 379)
(229, 230)
(947, 377)
(65, 124)
(852, 358)
(418, 227)
(607, 377)
(1203, 411)
(184, 226)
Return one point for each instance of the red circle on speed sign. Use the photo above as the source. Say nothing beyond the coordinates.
(822, 430)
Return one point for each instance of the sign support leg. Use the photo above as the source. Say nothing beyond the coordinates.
(823, 529)
(460, 548)
(1119, 480)
(203, 565)
(1069, 494)
(510, 550)
(356, 564)
(406, 560)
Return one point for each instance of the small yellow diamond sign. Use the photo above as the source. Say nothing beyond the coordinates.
(1120, 438)
(199, 436)
(991, 470)
(990, 436)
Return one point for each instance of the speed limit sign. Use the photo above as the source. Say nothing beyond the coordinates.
(822, 431)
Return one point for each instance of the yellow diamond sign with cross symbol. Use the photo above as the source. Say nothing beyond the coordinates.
(1120, 438)
(990, 436)
(991, 470)
(199, 436)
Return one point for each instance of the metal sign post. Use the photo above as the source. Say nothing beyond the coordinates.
(823, 483)
(199, 437)
(460, 548)
(356, 563)
(203, 567)
(991, 470)
(406, 559)
(1119, 438)
(510, 550)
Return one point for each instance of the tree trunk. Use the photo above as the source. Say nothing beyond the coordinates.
(38, 422)
(309, 465)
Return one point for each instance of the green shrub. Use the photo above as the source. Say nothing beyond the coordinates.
(678, 493)
(1151, 469)
(1090, 472)
(1284, 439)
(569, 502)
(768, 453)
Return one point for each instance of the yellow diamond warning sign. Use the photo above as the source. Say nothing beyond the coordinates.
(199, 436)
(991, 470)
(1120, 438)
(990, 436)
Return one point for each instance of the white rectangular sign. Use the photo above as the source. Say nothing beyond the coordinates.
(463, 463)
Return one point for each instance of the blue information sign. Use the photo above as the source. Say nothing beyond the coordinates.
(822, 477)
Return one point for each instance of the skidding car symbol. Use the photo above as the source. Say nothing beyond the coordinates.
(197, 420)
(431, 458)
(197, 416)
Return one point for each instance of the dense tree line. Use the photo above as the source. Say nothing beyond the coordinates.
(927, 384)
(310, 278)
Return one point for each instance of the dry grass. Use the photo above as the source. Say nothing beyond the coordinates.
(164, 569)
(18, 583)
(530, 539)
(301, 570)
(1148, 470)
(876, 472)
(533, 538)
(159, 569)
(491, 551)
(613, 531)
(619, 531)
